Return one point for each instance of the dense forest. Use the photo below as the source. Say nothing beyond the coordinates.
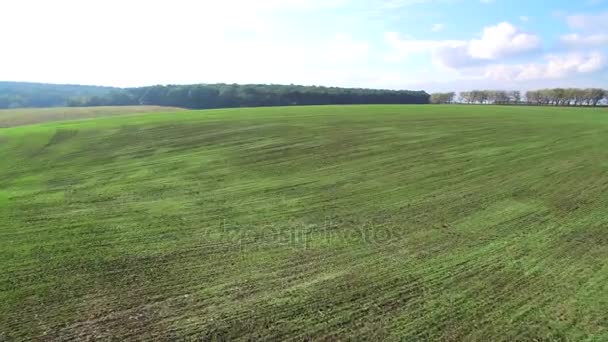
(22, 94)
(202, 96)
(199, 96)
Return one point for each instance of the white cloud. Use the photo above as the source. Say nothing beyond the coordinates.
(502, 40)
(482, 59)
(589, 22)
(404, 47)
(496, 42)
(437, 27)
(555, 67)
(577, 40)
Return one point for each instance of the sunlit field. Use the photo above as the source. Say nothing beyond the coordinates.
(353, 222)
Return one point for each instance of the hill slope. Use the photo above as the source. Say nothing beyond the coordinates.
(29, 116)
(369, 222)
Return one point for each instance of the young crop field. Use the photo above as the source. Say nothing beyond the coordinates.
(395, 222)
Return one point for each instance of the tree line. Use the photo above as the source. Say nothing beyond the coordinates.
(542, 97)
(204, 96)
(567, 96)
(197, 96)
(201, 96)
(445, 98)
(491, 96)
(24, 94)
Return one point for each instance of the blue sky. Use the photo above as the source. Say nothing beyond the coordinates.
(434, 45)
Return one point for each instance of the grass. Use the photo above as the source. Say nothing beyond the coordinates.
(351, 222)
(29, 116)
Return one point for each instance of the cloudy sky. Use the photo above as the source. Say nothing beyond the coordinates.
(411, 44)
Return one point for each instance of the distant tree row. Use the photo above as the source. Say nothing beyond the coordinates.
(202, 96)
(567, 96)
(20, 94)
(542, 97)
(491, 96)
(443, 98)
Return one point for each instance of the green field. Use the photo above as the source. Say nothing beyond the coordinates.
(354, 222)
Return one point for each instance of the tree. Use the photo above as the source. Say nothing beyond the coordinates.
(443, 98)
(476, 96)
(500, 97)
(515, 96)
(596, 95)
(466, 97)
(566, 97)
(532, 97)
(154, 95)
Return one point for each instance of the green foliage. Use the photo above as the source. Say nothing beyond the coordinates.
(554, 97)
(443, 98)
(204, 96)
(20, 94)
(491, 97)
(438, 223)
(566, 97)
(199, 96)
